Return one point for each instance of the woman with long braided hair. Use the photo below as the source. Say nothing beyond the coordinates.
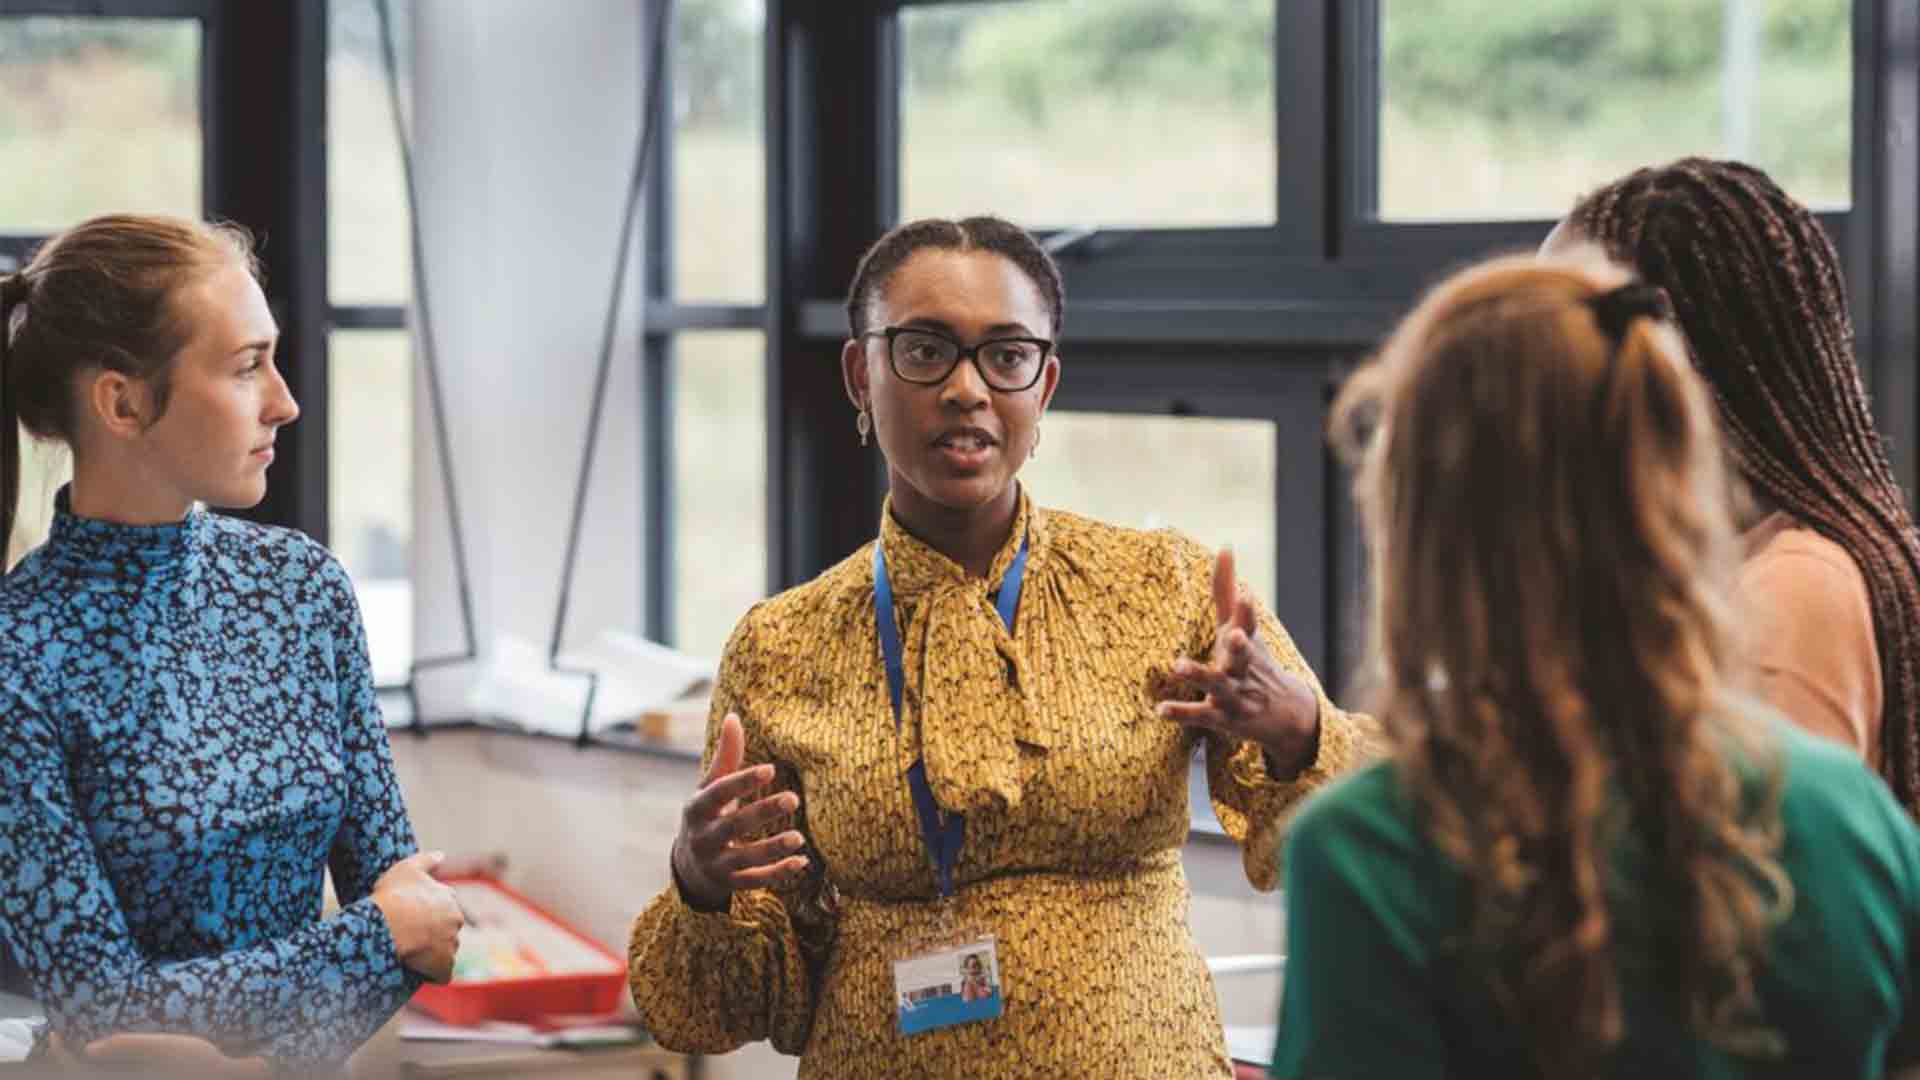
(1831, 581)
(1589, 854)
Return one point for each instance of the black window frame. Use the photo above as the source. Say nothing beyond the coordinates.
(665, 317)
(1327, 275)
(360, 315)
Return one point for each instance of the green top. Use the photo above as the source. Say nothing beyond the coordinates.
(1371, 991)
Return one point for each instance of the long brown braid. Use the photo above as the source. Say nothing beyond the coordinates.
(1756, 285)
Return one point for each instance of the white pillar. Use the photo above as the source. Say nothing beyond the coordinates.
(525, 116)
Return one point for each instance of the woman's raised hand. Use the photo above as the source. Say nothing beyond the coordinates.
(715, 855)
(1248, 694)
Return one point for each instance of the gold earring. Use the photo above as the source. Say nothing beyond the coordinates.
(864, 425)
(1035, 452)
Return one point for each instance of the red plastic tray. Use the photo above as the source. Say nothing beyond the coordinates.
(532, 997)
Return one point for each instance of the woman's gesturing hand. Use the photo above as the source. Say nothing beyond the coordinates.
(1248, 694)
(714, 854)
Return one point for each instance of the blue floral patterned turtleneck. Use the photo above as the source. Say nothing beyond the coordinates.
(188, 736)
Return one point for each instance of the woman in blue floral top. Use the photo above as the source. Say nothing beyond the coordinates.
(188, 730)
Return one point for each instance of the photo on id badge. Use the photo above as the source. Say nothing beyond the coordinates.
(943, 987)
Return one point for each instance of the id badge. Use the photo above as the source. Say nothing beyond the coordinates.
(949, 985)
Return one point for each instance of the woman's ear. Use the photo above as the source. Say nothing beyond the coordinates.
(118, 403)
(1049, 382)
(853, 371)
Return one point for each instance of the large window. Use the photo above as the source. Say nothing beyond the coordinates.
(368, 261)
(1090, 112)
(719, 151)
(1255, 188)
(720, 476)
(101, 115)
(1521, 108)
(705, 354)
(370, 487)
(370, 378)
(1211, 478)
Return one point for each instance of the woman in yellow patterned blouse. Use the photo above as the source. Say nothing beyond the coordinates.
(971, 738)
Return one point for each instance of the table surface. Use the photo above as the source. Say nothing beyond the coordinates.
(389, 1055)
(426, 1059)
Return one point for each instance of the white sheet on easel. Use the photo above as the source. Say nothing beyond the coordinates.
(636, 676)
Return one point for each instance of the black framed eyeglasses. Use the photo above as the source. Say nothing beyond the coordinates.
(928, 357)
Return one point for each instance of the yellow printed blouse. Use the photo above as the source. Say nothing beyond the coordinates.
(1075, 796)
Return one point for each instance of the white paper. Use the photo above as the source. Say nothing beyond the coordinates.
(19, 1018)
(16, 1038)
(515, 683)
(419, 1027)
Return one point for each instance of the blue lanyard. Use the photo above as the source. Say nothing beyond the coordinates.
(943, 833)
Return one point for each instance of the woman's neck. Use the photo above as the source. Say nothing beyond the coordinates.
(970, 536)
(1750, 507)
(106, 491)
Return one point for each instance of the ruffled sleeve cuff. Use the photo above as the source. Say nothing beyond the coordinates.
(712, 981)
(1252, 803)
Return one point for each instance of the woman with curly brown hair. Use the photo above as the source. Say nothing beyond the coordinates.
(1586, 855)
